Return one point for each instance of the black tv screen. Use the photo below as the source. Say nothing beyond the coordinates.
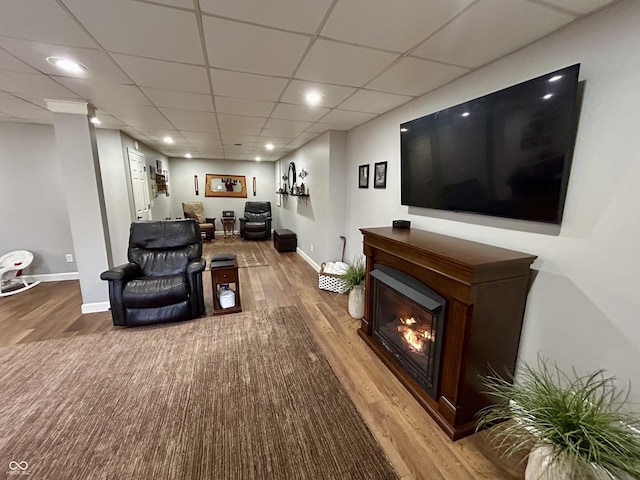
(506, 154)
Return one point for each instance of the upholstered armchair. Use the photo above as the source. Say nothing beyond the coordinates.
(163, 280)
(256, 222)
(195, 210)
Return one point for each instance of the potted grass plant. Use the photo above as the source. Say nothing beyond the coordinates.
(572, 426)
(354, 284)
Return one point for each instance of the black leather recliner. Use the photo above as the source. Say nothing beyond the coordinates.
(163, 281)
(256, 222)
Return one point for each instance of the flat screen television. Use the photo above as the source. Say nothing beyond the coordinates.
(506, 154)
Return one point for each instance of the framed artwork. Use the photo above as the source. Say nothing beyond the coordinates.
(363, 176)
(380, 175)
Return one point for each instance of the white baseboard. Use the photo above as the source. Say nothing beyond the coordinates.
(308, 259)
(53, 277)
(95, 307)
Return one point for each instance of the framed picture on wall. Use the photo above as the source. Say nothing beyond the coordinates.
(363, 176)
(380, 175)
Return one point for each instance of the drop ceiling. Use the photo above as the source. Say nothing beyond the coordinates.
(225, 77)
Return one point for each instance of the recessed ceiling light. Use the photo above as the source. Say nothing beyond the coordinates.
(555, 78)
(168, 140)
(404, 130)
(187, 155)
(95, 120)
(313, 98)
(258, 159)
(269, 146)
(67, 65)
(466, 114)
(548, 96)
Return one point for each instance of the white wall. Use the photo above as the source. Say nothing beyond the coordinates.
(319, 219)
(183, 189)
(33, 212)
(583, 306)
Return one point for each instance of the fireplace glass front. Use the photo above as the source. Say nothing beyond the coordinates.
(408, 322)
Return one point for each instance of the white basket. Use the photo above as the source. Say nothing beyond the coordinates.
(330, 281)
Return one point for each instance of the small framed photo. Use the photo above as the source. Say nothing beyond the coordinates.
(363, 176)
(380, 175)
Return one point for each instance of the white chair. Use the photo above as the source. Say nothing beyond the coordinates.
(11, 266)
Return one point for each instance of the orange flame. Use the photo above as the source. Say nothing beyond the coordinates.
(417, 338)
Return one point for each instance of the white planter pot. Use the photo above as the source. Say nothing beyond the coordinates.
(539, 467)
(356, 302)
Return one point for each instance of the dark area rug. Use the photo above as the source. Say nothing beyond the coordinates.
(244, 396)
(248, 252)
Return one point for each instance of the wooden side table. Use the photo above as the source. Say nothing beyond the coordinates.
(225, 273)
(228, 225)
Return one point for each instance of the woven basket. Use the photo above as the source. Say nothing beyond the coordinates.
(330, 281)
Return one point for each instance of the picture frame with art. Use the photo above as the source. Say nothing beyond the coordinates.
(363, 176)
(380, 175)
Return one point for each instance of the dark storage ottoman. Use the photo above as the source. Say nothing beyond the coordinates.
(285, 240)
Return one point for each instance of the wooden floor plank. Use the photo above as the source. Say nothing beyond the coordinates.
(410, 438)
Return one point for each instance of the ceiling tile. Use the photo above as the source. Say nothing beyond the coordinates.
(196, 126)
(277, 136)
(9, 62)
(344, 117)
(108, 121)
(243, 106)
(246, 85)
(491, 29)
(34, 84)
(580, 6)
(240, 120)
(374, 102)
(177, 3)
(396, 25)
(141, 28)
(334, 62)
(168, 75)
(321, 127)
(142, 116)
(414, 76)
(297, 15)
(240, 130)
(17, 107)
(288, 127)
(245, 140)
(103, 93)
(332, 95)
(189, 115)
(180, 100)
(248, 48)
(298, 112)
(99, 65)
(44, 21)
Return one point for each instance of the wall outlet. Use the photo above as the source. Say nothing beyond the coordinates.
(312, 247)
(69, 258)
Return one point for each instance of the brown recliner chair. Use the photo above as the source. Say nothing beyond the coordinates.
(195, 210)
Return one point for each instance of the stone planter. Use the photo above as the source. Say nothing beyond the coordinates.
(541, 467)
(356, 302)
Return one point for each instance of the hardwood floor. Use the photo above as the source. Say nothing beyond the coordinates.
(412, 441)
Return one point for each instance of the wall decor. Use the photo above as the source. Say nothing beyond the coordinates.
(161, 183)
(152, 172)
(159, 166)
(195, 184)
(363, 176)
(217, 185)
(254, 186)
(380, 175)
(291, 177)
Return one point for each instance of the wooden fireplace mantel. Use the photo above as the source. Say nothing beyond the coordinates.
(485, 288)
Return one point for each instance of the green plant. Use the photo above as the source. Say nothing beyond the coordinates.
(354, 276)
(579, 417)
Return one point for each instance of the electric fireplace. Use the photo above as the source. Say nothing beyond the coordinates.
(440, 312)
(407, 321)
